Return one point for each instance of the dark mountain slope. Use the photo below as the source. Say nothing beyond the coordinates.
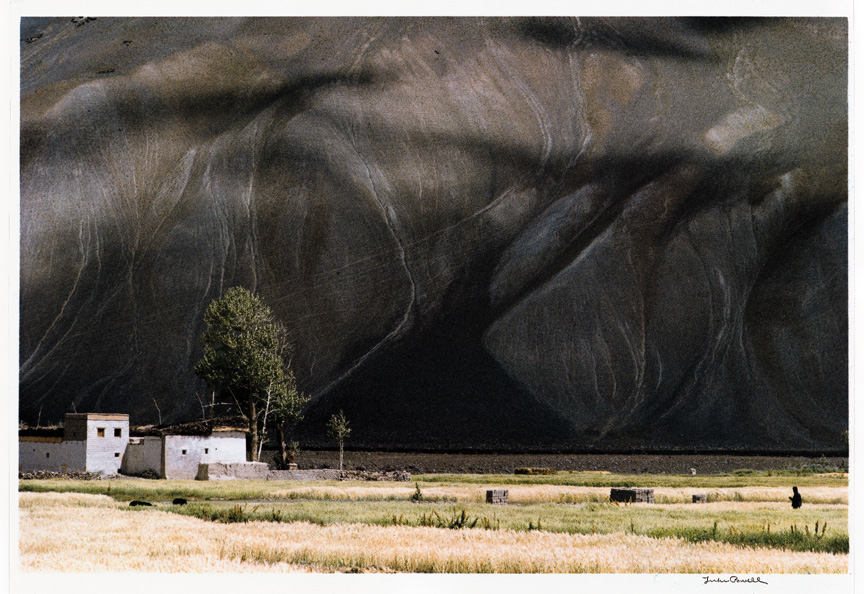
(604, 233)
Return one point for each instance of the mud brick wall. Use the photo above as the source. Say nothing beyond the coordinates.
(632, 495)
(497, 496)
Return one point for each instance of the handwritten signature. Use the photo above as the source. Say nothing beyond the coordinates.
(734, 579)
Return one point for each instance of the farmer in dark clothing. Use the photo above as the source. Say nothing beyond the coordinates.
(796, 498)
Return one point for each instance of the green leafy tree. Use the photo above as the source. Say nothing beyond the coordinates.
(337, 428)
(244, 351)
(287, 411)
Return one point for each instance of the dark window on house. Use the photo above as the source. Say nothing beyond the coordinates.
(118, 432)
(206, 450)
(184, 452)
(47, 454)
(100, 431)
(116, 454)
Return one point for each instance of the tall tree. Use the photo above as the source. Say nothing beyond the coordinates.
(244, 355)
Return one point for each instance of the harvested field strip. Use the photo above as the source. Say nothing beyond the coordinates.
(604, 479)
(383, 492)
(27, 501)
(99, 537)
(55, 537)
(814, 494)
(127, 489)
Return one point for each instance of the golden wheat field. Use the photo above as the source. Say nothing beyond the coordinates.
(71, 532)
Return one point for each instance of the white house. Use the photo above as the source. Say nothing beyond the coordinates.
(88, 442)
(96, 442)
(177, 455)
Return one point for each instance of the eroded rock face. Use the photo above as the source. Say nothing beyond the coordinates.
(587, 233)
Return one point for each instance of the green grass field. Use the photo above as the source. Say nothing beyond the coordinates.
(747, 510)
(767, 526)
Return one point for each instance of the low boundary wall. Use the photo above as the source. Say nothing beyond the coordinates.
(216, 471)
(632, 495)
(304, 475)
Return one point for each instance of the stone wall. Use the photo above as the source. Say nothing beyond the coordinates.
(304, 475)
(214, 471)
(632, 495)
(497, 496)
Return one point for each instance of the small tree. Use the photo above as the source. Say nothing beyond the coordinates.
(243, 355)
(287, 411)
(337, 428)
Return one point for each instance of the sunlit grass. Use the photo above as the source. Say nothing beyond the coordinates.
(742, 515)
(128, 489)
(58, 534)
(26, 501)
(722, 521)
(59, 537)
(604, 479)
(560, 488)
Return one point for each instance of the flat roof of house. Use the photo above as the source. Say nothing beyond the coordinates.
(40, 433)
(203, 427)
(97, 416)
(37, 439)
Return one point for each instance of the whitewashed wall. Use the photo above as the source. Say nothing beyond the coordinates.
(54, 456)
(221, 446)
(227, 446)
(143, 453)
(105, 454)
(180, 465)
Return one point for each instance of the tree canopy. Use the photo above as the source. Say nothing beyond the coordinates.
(244, 350)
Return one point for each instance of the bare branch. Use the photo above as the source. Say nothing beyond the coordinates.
(263, 437)
(158, 410)
(201, 402)
(237, 402)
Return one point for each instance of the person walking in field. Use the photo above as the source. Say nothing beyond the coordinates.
(796, 498)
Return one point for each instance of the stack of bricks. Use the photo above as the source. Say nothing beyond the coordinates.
(632, 495)
(497, 496)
